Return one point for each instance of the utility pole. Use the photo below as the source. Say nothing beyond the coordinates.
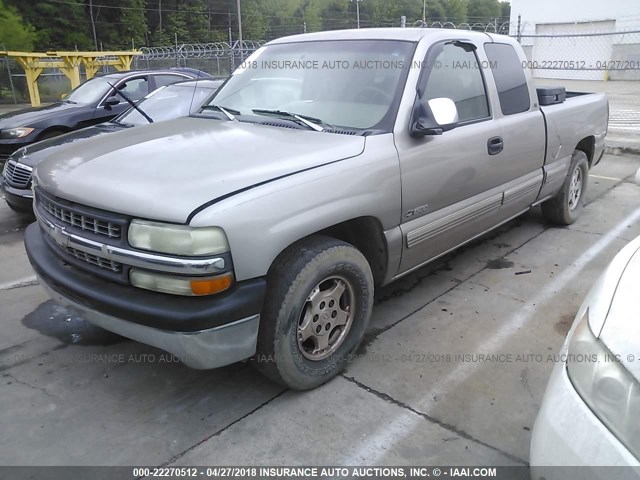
(232, 55)
(240, 31)
(175, 35)
(357, 11)
(93, 24)
(424, 11)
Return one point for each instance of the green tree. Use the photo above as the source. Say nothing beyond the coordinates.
(58, 26)
(505, 10)
(456, 10)
(133, 21)
(195, 18)
(483, 11)
(175, 23)
(15, 34)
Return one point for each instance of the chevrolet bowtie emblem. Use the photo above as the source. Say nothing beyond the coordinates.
(60, 235)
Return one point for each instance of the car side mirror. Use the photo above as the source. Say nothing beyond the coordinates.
(433, 117)
(111, 101)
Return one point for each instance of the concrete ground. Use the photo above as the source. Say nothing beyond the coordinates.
(73, 394)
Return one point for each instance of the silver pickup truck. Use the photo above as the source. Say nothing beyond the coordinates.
(329, 164)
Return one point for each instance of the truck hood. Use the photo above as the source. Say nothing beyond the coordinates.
(30, 117)
(621, 330)
(165, 171)
(33, 154)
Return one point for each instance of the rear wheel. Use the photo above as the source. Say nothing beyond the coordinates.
(316, 312)
(566, 206)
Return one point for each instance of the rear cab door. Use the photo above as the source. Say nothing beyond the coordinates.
(522, 124)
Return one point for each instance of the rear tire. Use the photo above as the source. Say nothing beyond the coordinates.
(566, 206)
(317, 309)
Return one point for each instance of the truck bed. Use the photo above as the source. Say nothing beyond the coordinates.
(579, 121)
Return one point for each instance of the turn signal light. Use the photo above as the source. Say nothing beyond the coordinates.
(212, 285)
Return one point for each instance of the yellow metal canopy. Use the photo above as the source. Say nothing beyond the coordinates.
(33, 63)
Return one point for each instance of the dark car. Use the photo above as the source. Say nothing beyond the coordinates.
(90, 103)
(166, 103)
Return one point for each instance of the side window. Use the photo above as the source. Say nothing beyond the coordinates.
(136, 88)
(163, 80)
(513, 91)
(456, 75)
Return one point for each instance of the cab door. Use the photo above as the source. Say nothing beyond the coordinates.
(451, 183)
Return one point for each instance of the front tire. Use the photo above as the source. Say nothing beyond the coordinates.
(566, 206)
(317, 309)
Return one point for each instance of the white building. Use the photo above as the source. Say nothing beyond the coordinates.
(587, 57)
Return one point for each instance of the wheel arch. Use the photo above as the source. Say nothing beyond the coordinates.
(366, 234)
(54, 128)
(588, 146)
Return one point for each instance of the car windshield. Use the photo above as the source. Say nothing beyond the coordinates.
(350, 83)
(90, 91)
(168, 103)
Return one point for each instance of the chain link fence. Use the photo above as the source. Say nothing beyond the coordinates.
(576, 56)
(218, 59)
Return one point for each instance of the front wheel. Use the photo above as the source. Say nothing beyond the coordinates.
(566, 206)
(317, 309)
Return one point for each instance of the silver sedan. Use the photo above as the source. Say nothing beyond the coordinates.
(590, 414)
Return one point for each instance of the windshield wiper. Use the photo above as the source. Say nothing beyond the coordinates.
(230, 113)
(311, 122)
(132, 103)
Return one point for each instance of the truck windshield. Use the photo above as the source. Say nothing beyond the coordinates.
(348, 83)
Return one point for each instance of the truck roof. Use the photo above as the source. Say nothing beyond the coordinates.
(412, 34)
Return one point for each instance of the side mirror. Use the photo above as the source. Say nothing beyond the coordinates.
(111, 101)
(434, 117)
(63, 96)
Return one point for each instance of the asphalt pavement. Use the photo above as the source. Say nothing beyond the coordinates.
(452, 371)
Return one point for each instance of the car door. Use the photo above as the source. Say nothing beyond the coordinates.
(451, 183)
(134, 88)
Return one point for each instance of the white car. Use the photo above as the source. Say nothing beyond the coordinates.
(590, 414)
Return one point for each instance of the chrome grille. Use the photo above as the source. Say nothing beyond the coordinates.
(95, 260)
(79, 220)
(17, 175)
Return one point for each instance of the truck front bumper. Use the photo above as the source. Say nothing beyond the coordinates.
(203, 332)
(19, 198)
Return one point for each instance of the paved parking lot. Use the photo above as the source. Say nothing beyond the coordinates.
(76, 395)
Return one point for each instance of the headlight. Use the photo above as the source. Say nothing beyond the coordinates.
(177, 239)
(605, 385)
(16, 132)
(180, 285)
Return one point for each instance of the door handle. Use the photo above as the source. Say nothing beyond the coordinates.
(495, 145)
